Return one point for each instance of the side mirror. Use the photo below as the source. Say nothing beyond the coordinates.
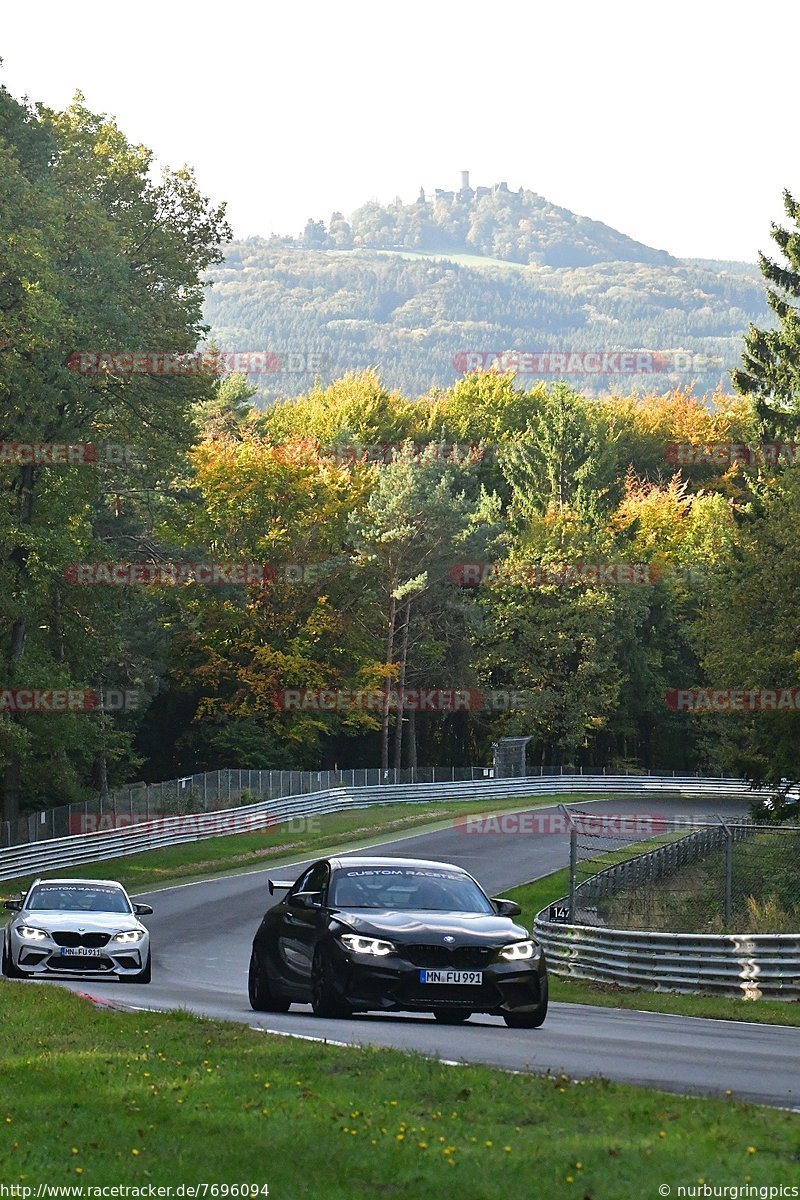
(279, 885)
(143, 910)
(506, 908)
(307, 900)
(14, 905)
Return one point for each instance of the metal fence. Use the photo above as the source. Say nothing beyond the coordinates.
(714, 909)
(209, 792)
(728, 877)
(128, 836)
(231, 788)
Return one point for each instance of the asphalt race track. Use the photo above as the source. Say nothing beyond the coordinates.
(201, 944)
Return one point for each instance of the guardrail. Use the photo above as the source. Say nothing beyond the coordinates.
(59, 853)
(231, 787)
(750, 966)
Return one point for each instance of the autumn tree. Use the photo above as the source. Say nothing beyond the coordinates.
(96, 257)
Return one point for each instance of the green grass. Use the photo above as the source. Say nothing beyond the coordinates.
(99, 1097)
(281, 842)
(533, 897)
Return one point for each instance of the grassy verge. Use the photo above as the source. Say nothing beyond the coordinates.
(283, 842)
(97, 1097)
(534, 896)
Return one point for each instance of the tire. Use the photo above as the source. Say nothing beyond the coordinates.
(529, 1020)
(10, 969)
(143, 976)
(324, 999)
(260, 994)
(451, 1016)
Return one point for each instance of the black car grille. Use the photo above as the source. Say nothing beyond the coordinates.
(459, 958)
(438, 995)
(79, 962)
(69, 937)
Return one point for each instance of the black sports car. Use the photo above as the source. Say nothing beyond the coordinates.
(396, 934)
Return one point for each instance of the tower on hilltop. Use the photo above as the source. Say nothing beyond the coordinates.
(465, 192)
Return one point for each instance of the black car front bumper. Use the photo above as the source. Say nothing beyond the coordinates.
(394, 983)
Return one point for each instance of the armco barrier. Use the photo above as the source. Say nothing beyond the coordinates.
(750, 966)
(60, 853)
(232, 787)
(745, 965)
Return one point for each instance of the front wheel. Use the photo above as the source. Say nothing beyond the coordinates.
(324, 1000)
(260, 994)
(10, 969)
(529, 1020)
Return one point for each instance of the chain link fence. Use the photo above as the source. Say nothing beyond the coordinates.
(209, 792)
(643, 872)
(232, 788)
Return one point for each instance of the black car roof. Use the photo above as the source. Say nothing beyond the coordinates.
(361, 860)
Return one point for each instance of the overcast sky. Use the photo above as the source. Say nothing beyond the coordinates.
(674, 122)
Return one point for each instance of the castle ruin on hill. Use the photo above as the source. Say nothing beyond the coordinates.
(465, 193)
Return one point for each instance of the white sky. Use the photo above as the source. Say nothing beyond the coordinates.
(674, 122)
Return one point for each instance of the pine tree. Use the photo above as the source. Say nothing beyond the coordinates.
(771, 358)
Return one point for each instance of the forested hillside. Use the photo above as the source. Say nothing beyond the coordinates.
(519, 227)
(409, 288)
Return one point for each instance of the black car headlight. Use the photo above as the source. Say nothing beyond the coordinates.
(367, 945)
(522, 951)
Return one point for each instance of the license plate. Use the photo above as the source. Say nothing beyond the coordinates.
(80, 952)
(474, 978)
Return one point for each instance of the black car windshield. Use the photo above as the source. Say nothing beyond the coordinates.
(407, 888)
(77, 898)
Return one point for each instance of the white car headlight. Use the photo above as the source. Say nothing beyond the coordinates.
(31, 934)
(130, 935)
(367, 945)
(519, 951)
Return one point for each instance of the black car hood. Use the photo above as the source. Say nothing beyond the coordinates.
(486, 928)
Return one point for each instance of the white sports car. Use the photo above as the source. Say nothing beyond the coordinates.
(83, 927)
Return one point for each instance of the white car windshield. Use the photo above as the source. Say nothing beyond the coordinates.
(407, 888)
(77, 898)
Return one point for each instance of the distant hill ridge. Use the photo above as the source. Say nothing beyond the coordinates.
(519, 227)
(409, 289)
